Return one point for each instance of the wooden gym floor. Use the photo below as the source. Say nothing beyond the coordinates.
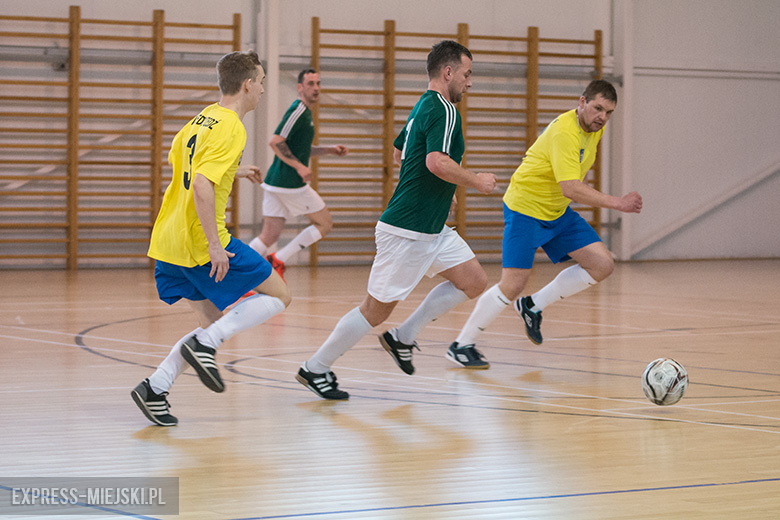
(556, 431)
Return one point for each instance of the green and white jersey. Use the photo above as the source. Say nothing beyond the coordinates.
(421, 200)
(297, 128)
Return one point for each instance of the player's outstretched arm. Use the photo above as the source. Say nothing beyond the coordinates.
(337, 149)
(582, 193)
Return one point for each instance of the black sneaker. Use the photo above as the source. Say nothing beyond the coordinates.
(467, 356)
(401, 352)
(532, 320)
(154, 406)
(201, 358)
(324, 385)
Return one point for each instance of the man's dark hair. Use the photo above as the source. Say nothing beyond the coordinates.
(600, 86)
(302, 74)
(235, 68)
(445, 53)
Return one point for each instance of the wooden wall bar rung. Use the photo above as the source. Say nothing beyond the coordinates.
(35, 146)
(353, 47)
(34, 99)
(34, 161)
(32, 240)
(33, 83)
(331, 135)
(41, 19)
(351, 31)
(49, 178)
(33, 225)
(113, 38)
(114, 84)
(369, 92)
(9, 34)
(192, 41)
(518, 39)
(96, 21)
(7, 130)
(434, 36)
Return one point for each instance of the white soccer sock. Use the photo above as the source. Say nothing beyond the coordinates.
(248, 313)
(488, 307)
(171, 367)
(349, 330)
(568, 282)
(304, 239)
(442, 298)
(259, 246)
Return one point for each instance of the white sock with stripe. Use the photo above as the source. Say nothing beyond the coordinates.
(171, 367)
(304, 239)
(488, 307)
(248, 313)
(441, 299)
(349, 330)
(570, 281)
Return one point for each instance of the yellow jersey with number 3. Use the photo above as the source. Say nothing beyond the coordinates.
(211, 145)
(563, 152)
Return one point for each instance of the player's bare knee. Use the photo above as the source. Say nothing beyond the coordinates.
(286, 297)
(324, 227)
(511, 289)
(375, 312)
(601, 269)
(476, 285)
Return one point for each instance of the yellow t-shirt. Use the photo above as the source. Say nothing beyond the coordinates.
(563, 152)
(211, 145)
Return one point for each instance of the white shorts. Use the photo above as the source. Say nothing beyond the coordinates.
(401, 262)
(290, 202)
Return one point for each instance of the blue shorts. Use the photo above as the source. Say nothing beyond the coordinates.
(523, 235)
(247, 270)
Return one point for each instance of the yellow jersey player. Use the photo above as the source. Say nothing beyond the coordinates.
(196, 258)
(537, 214)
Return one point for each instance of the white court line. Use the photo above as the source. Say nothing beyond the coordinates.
(649, 333)
(642, 309)
(439, 390)
(727, 403)
(406, 387)
(584, 409)
(725, 412)
(73, 345)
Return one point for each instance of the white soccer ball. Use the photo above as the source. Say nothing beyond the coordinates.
(664, 381)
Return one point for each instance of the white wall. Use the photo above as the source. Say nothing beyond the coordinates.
(697, 122)
(704, 124)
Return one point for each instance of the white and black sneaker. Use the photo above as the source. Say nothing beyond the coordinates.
(324, 385)
(201, 358)
(532, 320)
(401, 352)
(467, 356)
(154, 406)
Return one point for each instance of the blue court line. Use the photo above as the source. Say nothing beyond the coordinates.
(510, 500)
(89, 506)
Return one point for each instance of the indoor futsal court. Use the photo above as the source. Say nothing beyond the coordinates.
(682, 188)
(560, 430)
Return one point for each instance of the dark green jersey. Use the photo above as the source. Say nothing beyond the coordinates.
(421, 201)
(297, 128)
